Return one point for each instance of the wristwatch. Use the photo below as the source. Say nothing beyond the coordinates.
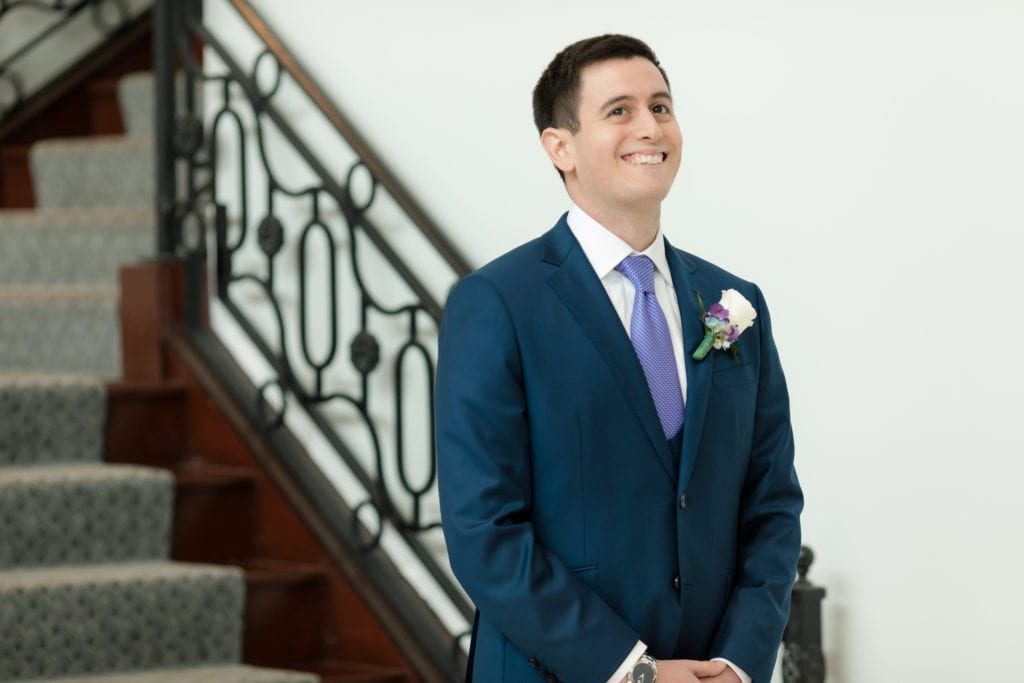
(644, 671)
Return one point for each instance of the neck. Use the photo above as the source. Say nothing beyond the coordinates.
(636, 227)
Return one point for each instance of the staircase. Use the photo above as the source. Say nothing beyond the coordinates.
(88, 586)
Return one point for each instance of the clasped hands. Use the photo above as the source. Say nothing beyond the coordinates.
(692, 670)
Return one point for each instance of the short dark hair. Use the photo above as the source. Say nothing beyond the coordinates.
(557, 93)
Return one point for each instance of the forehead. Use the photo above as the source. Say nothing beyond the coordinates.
(635, 77)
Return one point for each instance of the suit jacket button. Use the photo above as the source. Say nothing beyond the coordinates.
(675, 583)
(682, 501)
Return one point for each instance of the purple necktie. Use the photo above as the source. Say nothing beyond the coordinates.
(648, 331)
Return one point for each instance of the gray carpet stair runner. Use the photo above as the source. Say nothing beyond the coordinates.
(50, 418)
(73, 246)
(93, 172)
(87, 590)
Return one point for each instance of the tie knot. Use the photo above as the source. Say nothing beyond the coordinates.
(639, 270)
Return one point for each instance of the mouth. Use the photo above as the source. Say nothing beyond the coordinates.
(640, 159)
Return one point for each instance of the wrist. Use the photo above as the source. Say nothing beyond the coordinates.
(644, 671)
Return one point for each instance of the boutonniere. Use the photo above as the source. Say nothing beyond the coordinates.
(724, 322)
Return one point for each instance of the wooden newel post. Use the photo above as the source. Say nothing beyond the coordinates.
(803, 660)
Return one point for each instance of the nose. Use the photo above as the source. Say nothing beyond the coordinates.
(647, 126)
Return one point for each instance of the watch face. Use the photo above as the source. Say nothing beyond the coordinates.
(643, 673)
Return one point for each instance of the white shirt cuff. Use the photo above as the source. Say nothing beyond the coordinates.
(744, 678)
(631, 659)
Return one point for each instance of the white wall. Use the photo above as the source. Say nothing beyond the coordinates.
(864, 164)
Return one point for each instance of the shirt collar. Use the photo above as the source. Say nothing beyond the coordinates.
(605, 250)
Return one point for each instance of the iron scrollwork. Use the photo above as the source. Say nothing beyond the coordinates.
(365, 352)
(295, 281)
(12, 90)
(188, 136)
(106, 16)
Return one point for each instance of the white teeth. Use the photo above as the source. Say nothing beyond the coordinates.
(645, 158)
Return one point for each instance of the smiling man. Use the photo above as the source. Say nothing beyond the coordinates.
(615, 461)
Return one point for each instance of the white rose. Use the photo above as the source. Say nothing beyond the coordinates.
(741, 313)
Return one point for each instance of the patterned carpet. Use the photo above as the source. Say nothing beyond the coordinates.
(87, 590)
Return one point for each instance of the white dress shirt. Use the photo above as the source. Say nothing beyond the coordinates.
(605, 250)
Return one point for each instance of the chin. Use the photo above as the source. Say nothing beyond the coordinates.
(649, 195)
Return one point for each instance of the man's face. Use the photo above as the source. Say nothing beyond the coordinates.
(627, 150)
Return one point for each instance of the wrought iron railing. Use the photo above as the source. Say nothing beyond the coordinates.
(44, 23)
(263, 228)
(304, 268)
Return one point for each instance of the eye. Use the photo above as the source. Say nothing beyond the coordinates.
(661, 109)
(618, 111)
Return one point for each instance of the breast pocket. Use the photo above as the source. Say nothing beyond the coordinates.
(730, 377)
(728, 427)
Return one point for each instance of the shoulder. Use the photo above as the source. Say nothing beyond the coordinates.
(524, 267)
(512, 266)
(490, 304)
(709, 277)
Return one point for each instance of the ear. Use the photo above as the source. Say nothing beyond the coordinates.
(558, 144)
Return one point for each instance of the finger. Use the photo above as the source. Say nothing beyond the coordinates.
(703, 668)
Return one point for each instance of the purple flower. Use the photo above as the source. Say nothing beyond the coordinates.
(719, 311)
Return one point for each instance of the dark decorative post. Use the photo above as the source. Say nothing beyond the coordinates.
(802, 660)
(164, 25)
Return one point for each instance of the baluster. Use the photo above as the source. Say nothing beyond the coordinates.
(165, 22)
(803, 660)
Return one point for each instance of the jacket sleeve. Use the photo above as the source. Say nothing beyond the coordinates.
(485, 466)
(769, 525)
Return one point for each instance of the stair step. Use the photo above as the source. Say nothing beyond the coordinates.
(227, 673)
(84, 513)
(104, 109)
(94, 171)
(72, 328)
(50, 418)
(137, 94)
(214, 514)
(15, 178)
(159, 406)
(284, 593)
(346, 672)
(73, 246)
(120, 617)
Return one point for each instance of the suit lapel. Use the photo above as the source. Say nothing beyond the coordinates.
(686, 280)
(576, 284)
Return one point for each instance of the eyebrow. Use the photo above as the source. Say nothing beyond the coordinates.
(661, 94)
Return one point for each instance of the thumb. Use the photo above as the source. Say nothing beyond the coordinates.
(703, 668)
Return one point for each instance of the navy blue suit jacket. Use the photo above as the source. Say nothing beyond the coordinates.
(561, 500)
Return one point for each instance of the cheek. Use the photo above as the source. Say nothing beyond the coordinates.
(595, 163)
